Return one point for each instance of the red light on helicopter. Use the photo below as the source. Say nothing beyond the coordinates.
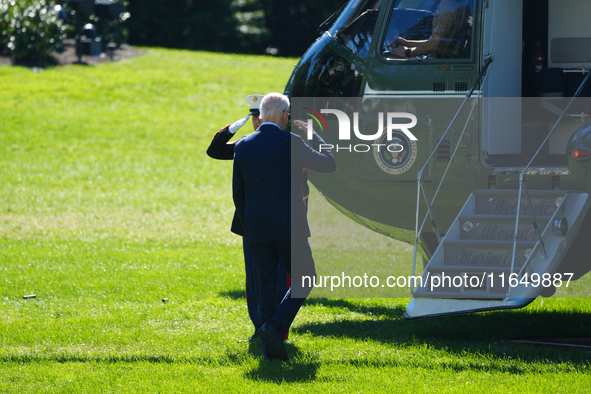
(581, 154)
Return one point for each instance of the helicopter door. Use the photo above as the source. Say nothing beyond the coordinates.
(501, 126)
(569, 34)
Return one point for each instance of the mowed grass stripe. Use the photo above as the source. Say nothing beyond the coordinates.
(109, 204)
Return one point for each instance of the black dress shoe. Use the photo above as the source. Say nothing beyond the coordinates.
(272, 339)
(252, 338)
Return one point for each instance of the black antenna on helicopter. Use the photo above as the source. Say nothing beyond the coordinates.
(327, 23)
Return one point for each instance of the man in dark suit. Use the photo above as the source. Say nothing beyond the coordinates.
(269, 199)
(221, 149)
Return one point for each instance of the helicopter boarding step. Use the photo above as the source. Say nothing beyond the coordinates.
(471, 270)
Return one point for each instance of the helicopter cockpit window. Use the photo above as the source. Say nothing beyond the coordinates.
(355, 27)
(429, 29)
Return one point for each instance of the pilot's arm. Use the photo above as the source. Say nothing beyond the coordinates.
(410, 49)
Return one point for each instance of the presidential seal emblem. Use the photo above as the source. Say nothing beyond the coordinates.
(396, 156)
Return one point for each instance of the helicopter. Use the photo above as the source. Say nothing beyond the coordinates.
(494, 191)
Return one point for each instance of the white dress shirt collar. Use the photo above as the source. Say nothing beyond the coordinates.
(270, 123)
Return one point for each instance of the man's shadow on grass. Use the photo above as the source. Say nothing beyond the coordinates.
(281, 371)
(477, 333)
(297, 370)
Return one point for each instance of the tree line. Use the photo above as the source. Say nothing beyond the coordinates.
(279, 27)
(34, 29)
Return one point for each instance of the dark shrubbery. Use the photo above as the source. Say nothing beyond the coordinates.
(188, 24)
(283, 27)
(5, 18)
(31, 30)
(294, 23)
(114, 33)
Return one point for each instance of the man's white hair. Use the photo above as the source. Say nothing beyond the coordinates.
(273, 105)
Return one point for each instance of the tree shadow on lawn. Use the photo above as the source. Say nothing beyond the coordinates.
(477, 333)
(389, 311)
(233, 294)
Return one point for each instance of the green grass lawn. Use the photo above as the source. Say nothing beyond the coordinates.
(108, 204)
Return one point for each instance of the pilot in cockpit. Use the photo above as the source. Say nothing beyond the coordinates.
(449, 39)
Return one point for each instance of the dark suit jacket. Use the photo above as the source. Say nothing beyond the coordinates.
(267, 182)
(221, 149)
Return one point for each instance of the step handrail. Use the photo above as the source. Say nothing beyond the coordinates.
(523, 187)
(421, 185)
(534, 250)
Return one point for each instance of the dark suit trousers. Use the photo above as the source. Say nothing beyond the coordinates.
(252, 294)
(296, 256)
